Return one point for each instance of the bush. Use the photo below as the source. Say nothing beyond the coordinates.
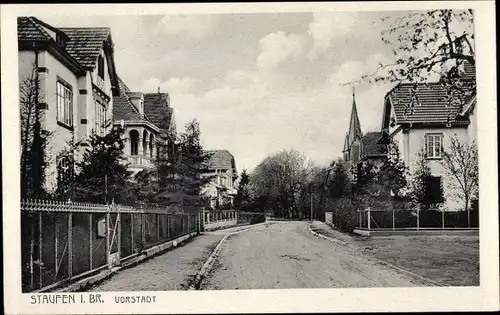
(251, 217)
(345, 214)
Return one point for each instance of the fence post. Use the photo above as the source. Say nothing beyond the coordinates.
(132, 232)
(118, 233)
(108, 247)
(70, 245)
(369, 218)
(418, 219)
(157, 227)
(40, 249)
(143, 225)
(393, 221)
(90, 241)
(56, 241)
(442, 219)
(32, 252)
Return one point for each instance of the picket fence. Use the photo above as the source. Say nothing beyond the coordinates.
(63, 242)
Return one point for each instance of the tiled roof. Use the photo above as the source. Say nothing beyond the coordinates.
(370, 145)
(469, 72)
(221, 159)
(28, 29)
(423, 103)
(157, 109)
(85, 44)
(122, 107)
(432, 102)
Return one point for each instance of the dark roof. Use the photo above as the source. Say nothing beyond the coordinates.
(469, 72)
(85, 43)
(221, 159)
(28, 29)
(371, 147)
(123, 107)
(157, 109)
(32, 35)
(424, 103)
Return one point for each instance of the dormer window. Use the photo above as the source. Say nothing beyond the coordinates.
(61, 41)
(100, 67)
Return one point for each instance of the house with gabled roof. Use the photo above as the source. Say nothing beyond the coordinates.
(221, 167)
(76, 81)
(361, 148)
(422, 117)
(147, 120)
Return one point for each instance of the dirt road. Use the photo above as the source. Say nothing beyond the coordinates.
(286, 255)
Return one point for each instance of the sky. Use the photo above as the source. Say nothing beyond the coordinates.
(257, 82)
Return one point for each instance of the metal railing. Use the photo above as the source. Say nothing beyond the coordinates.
(63, 242)
(372, 219)
(140, 160)
(215, 219)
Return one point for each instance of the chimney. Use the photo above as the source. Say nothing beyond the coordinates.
(137, 99)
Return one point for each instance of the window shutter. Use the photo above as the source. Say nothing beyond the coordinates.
(442, 146)
(425, 144)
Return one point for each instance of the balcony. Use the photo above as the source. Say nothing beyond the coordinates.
(140, 161)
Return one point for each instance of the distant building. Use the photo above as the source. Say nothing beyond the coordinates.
(422, 117)
(359, 148)
(77, 81)
(148, 120)
(222, 169)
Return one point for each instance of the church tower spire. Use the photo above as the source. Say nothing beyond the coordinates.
(354, 124)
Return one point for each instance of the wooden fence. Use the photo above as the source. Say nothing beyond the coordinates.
(63, 242)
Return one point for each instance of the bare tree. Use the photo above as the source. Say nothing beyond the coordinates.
(281, 179)
(34, 140)
(461, 165)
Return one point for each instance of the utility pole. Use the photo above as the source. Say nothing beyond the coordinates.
(311, 204)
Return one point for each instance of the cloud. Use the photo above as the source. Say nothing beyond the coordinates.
(328, 26)
(251, 120)
(197, 26)
(172, 85)
(278, 47)
(352, 70)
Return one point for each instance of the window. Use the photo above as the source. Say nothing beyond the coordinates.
(134, 142)
(433, 146)
(65, 172)
(100, 67)
(64, 96)
(100, 118)
(60, 41)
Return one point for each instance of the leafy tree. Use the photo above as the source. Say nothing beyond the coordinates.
(423, 194)
(427, 42)
(66, 163)
(34, 140)
(460, 162)
(179, 173)
(338, 183)
(243, 198)
(102, 176)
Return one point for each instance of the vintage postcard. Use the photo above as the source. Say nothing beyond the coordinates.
(249, 158)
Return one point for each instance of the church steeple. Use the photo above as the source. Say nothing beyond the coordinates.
(354, 124)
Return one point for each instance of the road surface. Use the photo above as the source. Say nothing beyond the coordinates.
(286, 255)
